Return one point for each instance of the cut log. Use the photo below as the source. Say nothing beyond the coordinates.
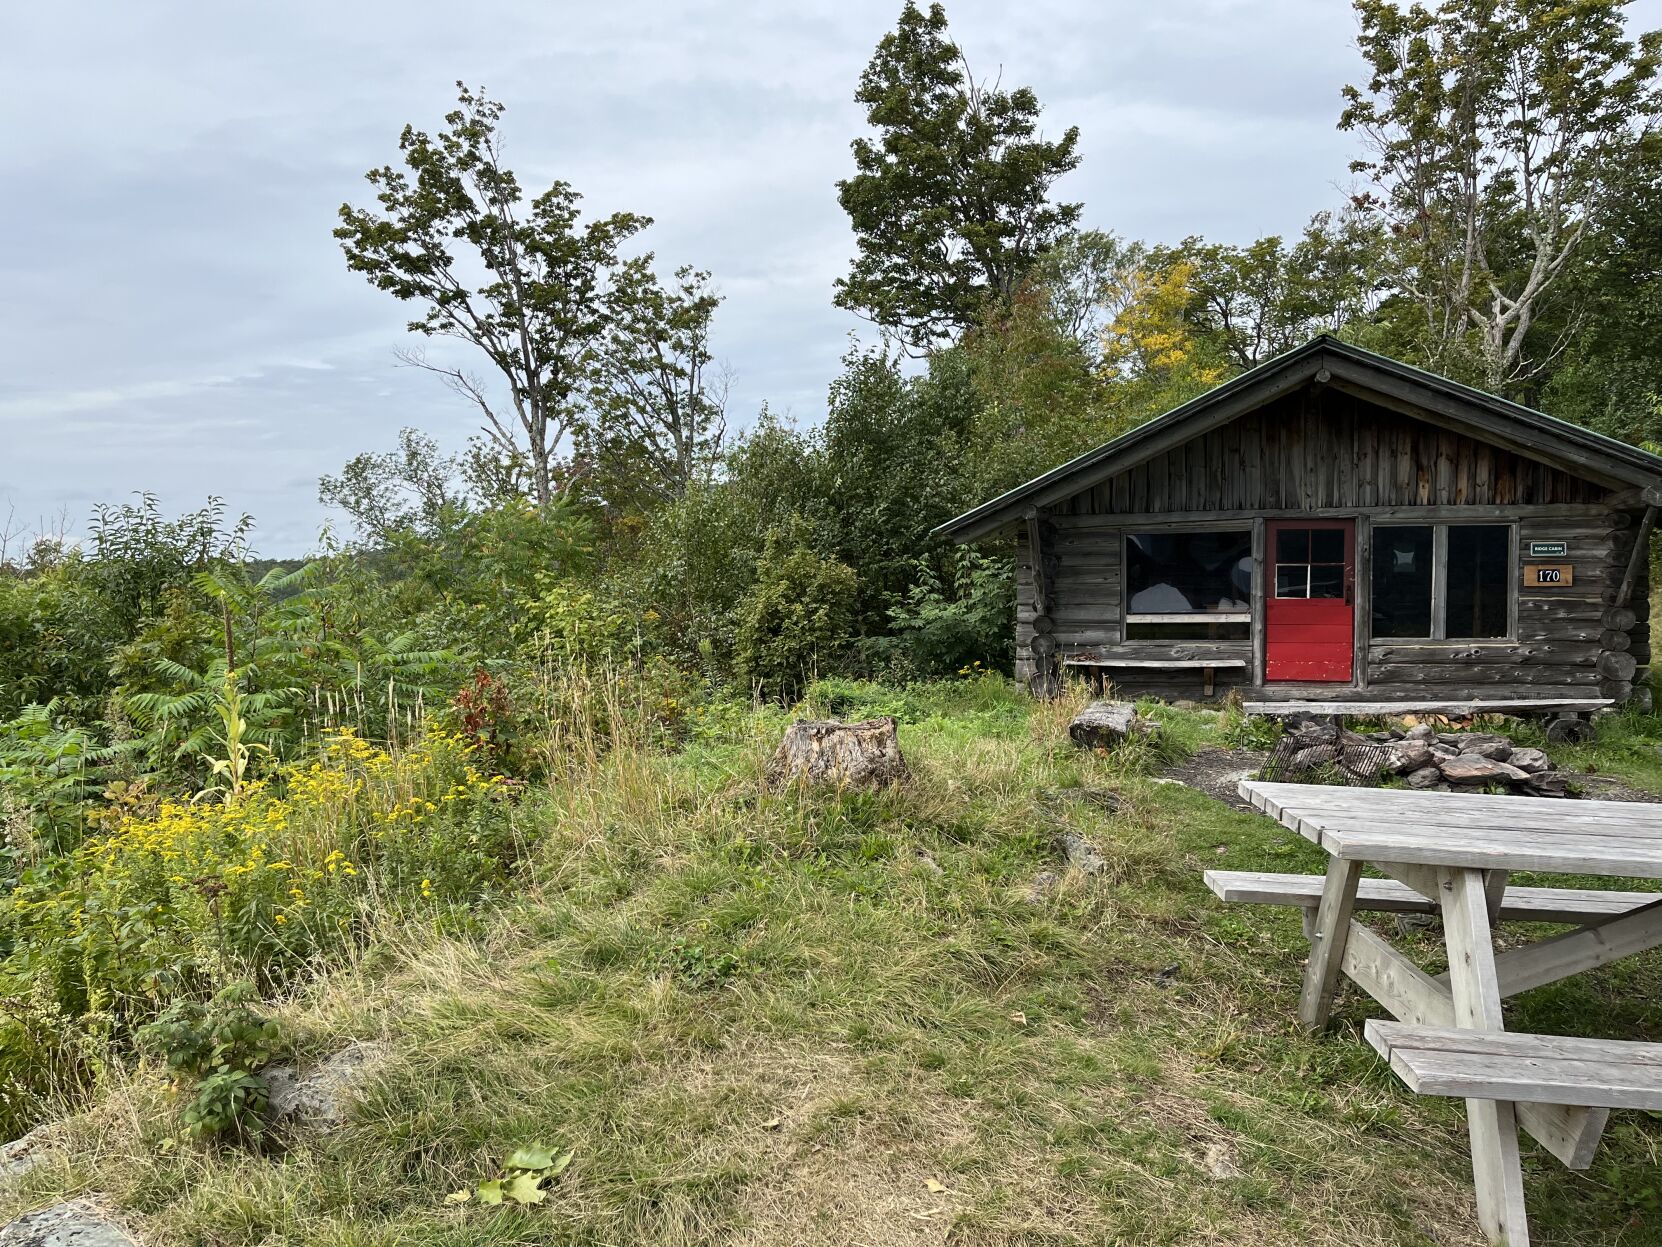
(1107, 723)
(1612, 640)
(1616, 666)
(828, 752)
(1619, 618)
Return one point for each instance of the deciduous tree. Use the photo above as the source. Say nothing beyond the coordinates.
(525, 283)
(1489, 125)
(661, 397)
(950, 203)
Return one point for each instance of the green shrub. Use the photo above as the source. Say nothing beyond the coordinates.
(215, 1050)
(181, 897)
(952, 622)
(795, 620)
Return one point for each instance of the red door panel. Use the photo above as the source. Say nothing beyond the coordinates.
(1309, 611)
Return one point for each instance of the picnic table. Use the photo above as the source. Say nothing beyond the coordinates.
(1452, 853)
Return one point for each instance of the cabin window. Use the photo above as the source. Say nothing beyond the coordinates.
(1186, 584)
(1479, 580)
(1402, 558)
(1442, 581)
(1310, 563)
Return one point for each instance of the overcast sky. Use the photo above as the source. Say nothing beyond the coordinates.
(177, 317)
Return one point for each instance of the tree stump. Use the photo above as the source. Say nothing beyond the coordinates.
(1107, 723)
(828, 752)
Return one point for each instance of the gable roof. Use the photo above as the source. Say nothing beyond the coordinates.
(1377, 378)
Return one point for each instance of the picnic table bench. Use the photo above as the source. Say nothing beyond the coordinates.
(1452, 854)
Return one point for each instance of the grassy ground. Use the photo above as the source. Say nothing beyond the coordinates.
(767, 1017)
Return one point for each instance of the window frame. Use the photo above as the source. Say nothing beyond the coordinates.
(1128, 618)
(1439, 580)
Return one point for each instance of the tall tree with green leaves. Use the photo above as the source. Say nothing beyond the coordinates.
(1257, 301)
(1489, 126)
(525, 283)
(660, 394)
(950, 202)
(1611, 376)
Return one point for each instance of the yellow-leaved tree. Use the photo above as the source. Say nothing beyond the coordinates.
(1153, 358)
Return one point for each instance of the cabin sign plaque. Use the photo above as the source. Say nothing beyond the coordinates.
(1548, 549)
(1548, 575)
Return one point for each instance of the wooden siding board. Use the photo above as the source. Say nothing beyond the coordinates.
(1314, 451)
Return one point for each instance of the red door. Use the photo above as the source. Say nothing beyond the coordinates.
(1309, 616)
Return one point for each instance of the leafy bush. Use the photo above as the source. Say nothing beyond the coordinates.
(956, 620)
(796, 618)
(183, 897)
(48, 771)
(216, 1049)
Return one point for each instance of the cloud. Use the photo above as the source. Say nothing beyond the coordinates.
(178, 317)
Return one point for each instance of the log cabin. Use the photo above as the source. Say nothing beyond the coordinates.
(1335, 530)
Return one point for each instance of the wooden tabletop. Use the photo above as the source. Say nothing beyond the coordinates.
(1468, 829)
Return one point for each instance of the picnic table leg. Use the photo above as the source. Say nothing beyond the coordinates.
(1494, 888)
(1493, 1124)
(1327, 942)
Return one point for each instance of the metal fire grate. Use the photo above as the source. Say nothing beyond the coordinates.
(1299, 759)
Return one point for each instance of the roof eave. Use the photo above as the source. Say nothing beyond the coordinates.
(1578, 450)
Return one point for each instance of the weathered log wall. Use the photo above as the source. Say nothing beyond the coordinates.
(1324, 451)
(1563, 634)
(1325, 448)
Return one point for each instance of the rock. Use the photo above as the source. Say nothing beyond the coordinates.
(1470, 768)
(1422, 731)
(77, 1223)
(1531, 760)
(1444, 751)
(829, 752)
(1311, 757)
(1425, 777)
(1547, 784)
(1042, 887)
(1320, 729)
(21, 1155)
(1496, 749)
(1219, 1165)
(1082, 855)
(1407, 924)
(1107, 723)
(320, 1100)
(1409, 755)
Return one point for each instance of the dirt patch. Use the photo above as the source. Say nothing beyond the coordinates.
(1217, 772)
(1609, 788)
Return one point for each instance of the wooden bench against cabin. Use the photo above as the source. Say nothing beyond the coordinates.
(1207, 665)
(1513, 1067)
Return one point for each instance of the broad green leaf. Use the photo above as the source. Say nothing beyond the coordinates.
(560, 1163)
(491, 1192)
(458, 1197)
(526, 1188)
(534, 1157)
